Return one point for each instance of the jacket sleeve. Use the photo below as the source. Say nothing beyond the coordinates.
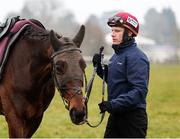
(137, 73)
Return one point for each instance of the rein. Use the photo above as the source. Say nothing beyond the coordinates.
(89, 88)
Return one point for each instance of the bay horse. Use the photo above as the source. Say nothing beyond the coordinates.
(39, 61)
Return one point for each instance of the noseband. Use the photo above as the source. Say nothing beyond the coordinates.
(60, 87)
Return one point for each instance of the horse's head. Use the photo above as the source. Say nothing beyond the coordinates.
(68, 69)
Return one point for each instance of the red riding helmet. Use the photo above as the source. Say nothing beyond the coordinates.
(125, 19)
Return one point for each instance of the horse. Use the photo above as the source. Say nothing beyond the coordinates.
(40, 61)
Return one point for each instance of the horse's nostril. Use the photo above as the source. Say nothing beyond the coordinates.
(80, 114)
(77, 117)
(71, 112)
(76, 113)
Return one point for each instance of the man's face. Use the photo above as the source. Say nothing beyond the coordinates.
(117, 35)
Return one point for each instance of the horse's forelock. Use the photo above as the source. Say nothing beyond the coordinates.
(66, 40)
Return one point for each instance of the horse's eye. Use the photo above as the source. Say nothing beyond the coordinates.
(61, 67)
(82, 64)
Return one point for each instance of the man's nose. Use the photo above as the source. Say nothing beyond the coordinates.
(112, 34)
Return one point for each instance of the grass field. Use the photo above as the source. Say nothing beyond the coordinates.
(163, 104)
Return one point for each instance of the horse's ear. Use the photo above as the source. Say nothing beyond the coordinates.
(79, 36)
(54, 41)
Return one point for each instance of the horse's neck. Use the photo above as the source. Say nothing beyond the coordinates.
(29, 65)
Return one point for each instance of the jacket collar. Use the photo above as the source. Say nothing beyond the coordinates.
(118, 47)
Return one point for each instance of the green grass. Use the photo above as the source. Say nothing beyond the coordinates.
(163, 101)
(162, 106)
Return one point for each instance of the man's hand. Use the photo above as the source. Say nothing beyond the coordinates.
(105, 106)
(96, 59)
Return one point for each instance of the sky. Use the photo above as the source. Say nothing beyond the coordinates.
(83, 8)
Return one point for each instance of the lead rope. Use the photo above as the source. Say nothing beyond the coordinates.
(88, 91)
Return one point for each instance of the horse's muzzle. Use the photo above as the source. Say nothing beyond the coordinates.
(78, 117)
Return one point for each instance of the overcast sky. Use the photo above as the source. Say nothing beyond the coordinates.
(83, 8)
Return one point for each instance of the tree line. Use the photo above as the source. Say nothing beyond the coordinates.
(159, 26)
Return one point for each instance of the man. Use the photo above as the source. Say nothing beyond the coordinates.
(127, 76)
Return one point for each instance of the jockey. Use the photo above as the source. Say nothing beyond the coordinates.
(127, 77)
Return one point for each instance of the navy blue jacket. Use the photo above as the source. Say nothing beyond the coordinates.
(128, 76)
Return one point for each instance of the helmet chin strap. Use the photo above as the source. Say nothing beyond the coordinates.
(126, 36)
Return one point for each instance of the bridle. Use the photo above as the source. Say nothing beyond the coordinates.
(60, 87)
(77, 90)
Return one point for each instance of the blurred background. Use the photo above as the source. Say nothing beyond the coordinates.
(159, 38)
(159, 34)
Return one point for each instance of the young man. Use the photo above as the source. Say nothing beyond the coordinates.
(127, 76)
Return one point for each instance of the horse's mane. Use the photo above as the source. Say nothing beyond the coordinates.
(37, 23)
(32, 32)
